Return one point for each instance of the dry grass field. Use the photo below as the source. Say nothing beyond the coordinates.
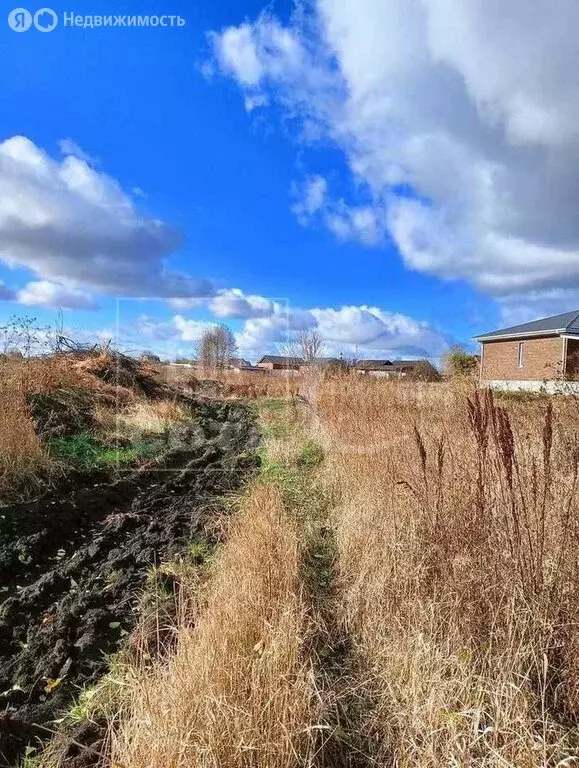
(455, 582)
(457, 532)
(398, 587)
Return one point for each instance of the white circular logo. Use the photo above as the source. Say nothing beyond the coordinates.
(45, 20)
(19, 20)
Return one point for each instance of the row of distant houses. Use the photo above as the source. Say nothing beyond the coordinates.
(377, 368)
(287, 364)
(542, 355)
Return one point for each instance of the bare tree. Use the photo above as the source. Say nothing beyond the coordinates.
(216, 347)
(310, 345)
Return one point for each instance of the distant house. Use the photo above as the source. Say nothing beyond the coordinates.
(532, 356)
(280, 363)
(240, 365)
(378, 368)
(394, 369)
(238, 362)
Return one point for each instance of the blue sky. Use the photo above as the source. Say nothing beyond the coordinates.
(267, 151)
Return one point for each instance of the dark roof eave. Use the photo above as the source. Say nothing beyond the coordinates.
(520, 335)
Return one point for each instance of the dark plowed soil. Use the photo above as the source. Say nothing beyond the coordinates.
(72, 565)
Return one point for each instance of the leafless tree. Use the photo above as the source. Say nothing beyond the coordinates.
(311, 345)
(216, 347)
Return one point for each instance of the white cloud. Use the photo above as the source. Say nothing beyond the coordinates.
(229, 303)
(190, 330)
(347, 222)
(68, 223)
(234, 303)
(70, 147)
(360, 330)
(351, 330)
(311, 197)
(473, 106)
(43, 293)
(183, 304)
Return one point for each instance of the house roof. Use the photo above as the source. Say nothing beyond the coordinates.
(400, 364)
(239, 362)
(373, 365)
(386, 365)
(283, 359)
(568, 322)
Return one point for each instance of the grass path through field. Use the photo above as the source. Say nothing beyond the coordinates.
(293, 460)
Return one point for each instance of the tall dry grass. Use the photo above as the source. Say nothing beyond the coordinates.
(458, 536)
(235, 691)
(234, 383)
(22, 457)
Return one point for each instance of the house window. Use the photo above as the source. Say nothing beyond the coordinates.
(520, 357)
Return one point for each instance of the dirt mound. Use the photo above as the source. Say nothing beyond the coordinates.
(62, 413)
(119, 370)
(72, 567)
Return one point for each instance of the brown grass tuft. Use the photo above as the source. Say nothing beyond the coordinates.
(235, 692)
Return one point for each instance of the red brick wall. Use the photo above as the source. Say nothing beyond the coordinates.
(542, 359)
(572, 358)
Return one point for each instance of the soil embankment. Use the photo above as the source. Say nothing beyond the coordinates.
(73, 564)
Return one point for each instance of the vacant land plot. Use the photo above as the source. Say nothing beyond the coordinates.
(398, 586)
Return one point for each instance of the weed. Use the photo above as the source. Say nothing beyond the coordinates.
(311, 454)
(85, 452)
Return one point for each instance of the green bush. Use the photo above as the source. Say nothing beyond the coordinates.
(461, 363)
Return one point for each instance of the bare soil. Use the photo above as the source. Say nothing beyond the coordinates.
(74, 563)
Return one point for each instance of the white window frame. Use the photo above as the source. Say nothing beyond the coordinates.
(521, 355)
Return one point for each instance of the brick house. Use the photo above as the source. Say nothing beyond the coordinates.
(541, 355)
(280, 363)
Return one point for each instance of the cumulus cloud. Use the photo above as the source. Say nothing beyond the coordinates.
(351, 330)
(70, 224)
(229, 303)
(70, 147)
(234, 303)
(43, 293)
(190, 330)
(458, 120)
(364, 331)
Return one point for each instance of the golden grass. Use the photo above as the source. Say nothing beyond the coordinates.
(456, 528)
(141, 417)
(21, 453)
(22, 456)
(24, 461)
(236, 691)
(457, 534)
(235, 384)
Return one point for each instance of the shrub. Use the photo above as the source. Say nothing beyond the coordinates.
(461, 363)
